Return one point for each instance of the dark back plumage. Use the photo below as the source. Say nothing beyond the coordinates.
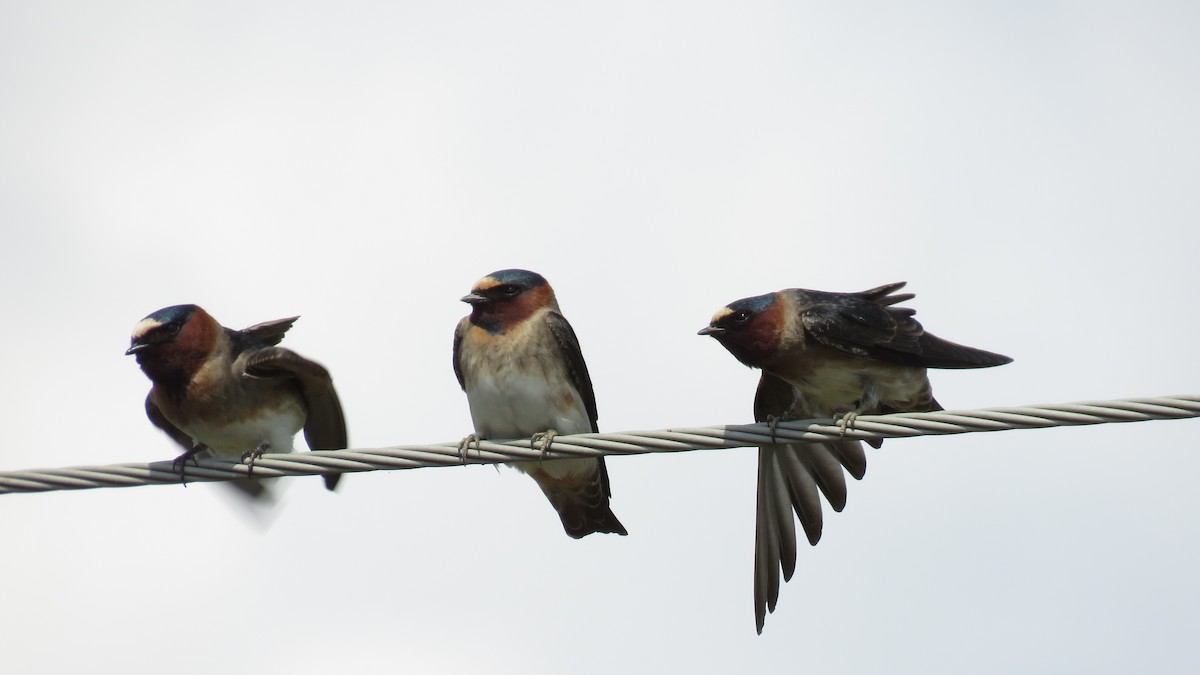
(867, 324)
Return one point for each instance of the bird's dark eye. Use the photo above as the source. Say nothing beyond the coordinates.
(740, 317)
(173, 328)
(509, 290)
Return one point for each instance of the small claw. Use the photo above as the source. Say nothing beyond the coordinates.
(464, 446)
(773, 422)
(250, 456)
(546, 438)
(180, 463)
(846, 422)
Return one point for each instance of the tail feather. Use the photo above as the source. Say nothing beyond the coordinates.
(782, 471)
(792, 477)
(581, 500)
(774, 533)
(852, 456)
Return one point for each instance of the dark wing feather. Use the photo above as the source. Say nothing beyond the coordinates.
(270, 333)
(325, 424)
(939, 353)
(867, 325)
(883, 294)
(459, 332)
(325, 428)
(158, 419)
(568, 346)
(857, 325)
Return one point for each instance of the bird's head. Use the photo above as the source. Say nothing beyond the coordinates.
(505, 298)
(173, 341)
(750, 328)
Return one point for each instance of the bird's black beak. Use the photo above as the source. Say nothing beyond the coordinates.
(135, 348)
(473, 299)
(711, 330)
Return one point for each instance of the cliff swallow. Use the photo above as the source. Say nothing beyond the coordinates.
(520, 364)
(233, 393)
(826, 355)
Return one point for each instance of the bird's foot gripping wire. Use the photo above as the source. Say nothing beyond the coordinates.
(464, 446)
(180, 463)
(545, 438)
(250, 456)
(773, 424)
(846, 422)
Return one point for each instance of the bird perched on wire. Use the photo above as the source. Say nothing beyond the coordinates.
(825, 355)
(520, 364)
(234, 393)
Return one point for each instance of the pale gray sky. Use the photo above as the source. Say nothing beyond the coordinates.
(1030, 168)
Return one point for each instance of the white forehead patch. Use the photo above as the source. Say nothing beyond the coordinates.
(721, 314)
(145, 326)
(484, 284)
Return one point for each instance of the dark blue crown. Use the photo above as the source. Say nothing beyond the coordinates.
(755, 305)
(173, 314)
(522, 278)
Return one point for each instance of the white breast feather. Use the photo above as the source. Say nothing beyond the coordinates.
(513, 394)
(518, 406)
(230, 441)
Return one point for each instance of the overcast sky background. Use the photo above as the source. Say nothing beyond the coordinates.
(1030, 169)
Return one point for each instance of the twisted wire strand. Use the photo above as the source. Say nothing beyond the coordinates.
(865, 427)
